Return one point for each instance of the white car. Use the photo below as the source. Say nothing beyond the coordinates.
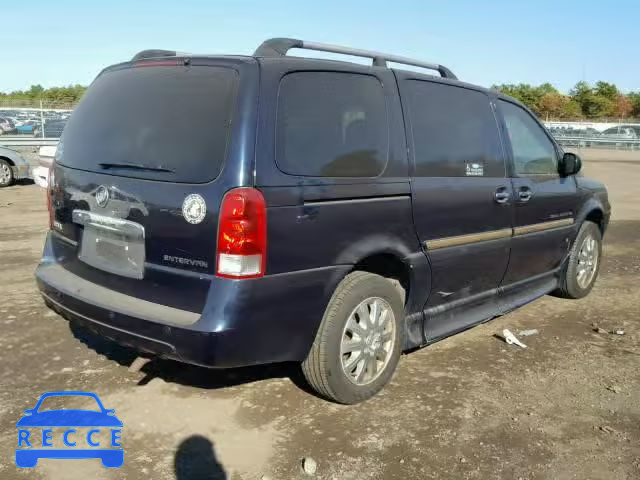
(621, 132)
(41, 172)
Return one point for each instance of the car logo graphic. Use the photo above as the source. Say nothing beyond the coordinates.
(102, 196)
(32, 446)
(194, 208)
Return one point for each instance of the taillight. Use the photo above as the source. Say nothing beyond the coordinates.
(50, 180)
(242, 234)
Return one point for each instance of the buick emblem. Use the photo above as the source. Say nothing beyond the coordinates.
(102, 196)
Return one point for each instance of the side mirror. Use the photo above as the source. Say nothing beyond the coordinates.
(29, 411)
(570, 164)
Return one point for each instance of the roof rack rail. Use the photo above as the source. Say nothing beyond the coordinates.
(154, 53)
(278, 47)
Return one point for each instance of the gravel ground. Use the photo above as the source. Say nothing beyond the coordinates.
(469, 407)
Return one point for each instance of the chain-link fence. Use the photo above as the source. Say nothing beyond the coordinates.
(614, 135)
(38, 120)
(42, 122)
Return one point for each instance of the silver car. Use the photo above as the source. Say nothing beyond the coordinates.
(12, 167)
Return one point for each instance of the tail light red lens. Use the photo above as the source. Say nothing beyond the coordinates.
(242, 234)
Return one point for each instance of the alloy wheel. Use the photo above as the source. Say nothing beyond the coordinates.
(587, 261)
(367, 340)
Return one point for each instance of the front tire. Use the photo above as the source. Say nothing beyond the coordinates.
(6, 174)
(582, 267)
(359, 342)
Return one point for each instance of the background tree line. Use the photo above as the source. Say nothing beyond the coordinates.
(594, 102)
(61, 97)
(598, 102)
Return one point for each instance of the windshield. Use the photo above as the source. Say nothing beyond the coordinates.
(173, 121)
(65, 402)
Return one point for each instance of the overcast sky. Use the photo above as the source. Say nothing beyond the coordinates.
(64, 42)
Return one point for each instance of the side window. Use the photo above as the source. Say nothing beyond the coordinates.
(331, 124)
(455, 133)
(533, 152)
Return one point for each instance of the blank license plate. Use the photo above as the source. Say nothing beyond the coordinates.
(112, 251)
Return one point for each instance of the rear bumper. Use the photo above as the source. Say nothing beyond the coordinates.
(188, 346)
(21, 171)
(247, 322)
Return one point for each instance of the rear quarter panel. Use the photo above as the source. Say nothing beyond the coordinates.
(331, 222)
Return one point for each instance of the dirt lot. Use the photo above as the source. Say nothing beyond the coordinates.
(469, 407)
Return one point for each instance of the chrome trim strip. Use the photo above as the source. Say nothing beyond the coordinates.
(469, 238)
(496, 234)
(126, 227)
(315, 203)
(540, 227)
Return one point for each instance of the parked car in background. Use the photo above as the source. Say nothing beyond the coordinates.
(352, 213)
(571, 132)
(52, 129)
(29, 127)
(12, 167)
(7, 125)
(40, 173)
(623, 131)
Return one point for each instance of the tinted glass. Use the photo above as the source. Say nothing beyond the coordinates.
(173, 118)
(533, 152)
(331, 125)
(454, 131)
(79, 402)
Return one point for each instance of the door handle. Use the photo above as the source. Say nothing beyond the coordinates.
(501, 195)
(525, 194)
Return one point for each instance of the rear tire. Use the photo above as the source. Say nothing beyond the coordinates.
(581, 269)
(6, 174)
(359, 342)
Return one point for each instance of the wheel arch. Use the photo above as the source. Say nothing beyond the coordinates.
(13, 157)
(596, 216)
(412, 276)
(8, 160)
(389, 265)
(592, 211)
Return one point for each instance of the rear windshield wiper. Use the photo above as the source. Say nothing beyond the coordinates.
(134, 166)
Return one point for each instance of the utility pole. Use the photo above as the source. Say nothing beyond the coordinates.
(41, 118)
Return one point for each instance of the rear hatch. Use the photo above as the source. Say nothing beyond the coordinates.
(135, 187)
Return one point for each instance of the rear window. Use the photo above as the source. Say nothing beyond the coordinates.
(172, 120)
(331, 125)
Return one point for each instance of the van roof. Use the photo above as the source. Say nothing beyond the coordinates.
(278, 48)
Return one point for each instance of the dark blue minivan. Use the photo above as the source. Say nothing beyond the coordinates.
(238, 210)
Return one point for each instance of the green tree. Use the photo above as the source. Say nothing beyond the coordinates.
(50, 97)
(555, 106)
(634, 98)
(582, 94)
(35, 91)
(529, 95)
(573, 110)
(595, 102)
(622, 107)
(607, 90)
